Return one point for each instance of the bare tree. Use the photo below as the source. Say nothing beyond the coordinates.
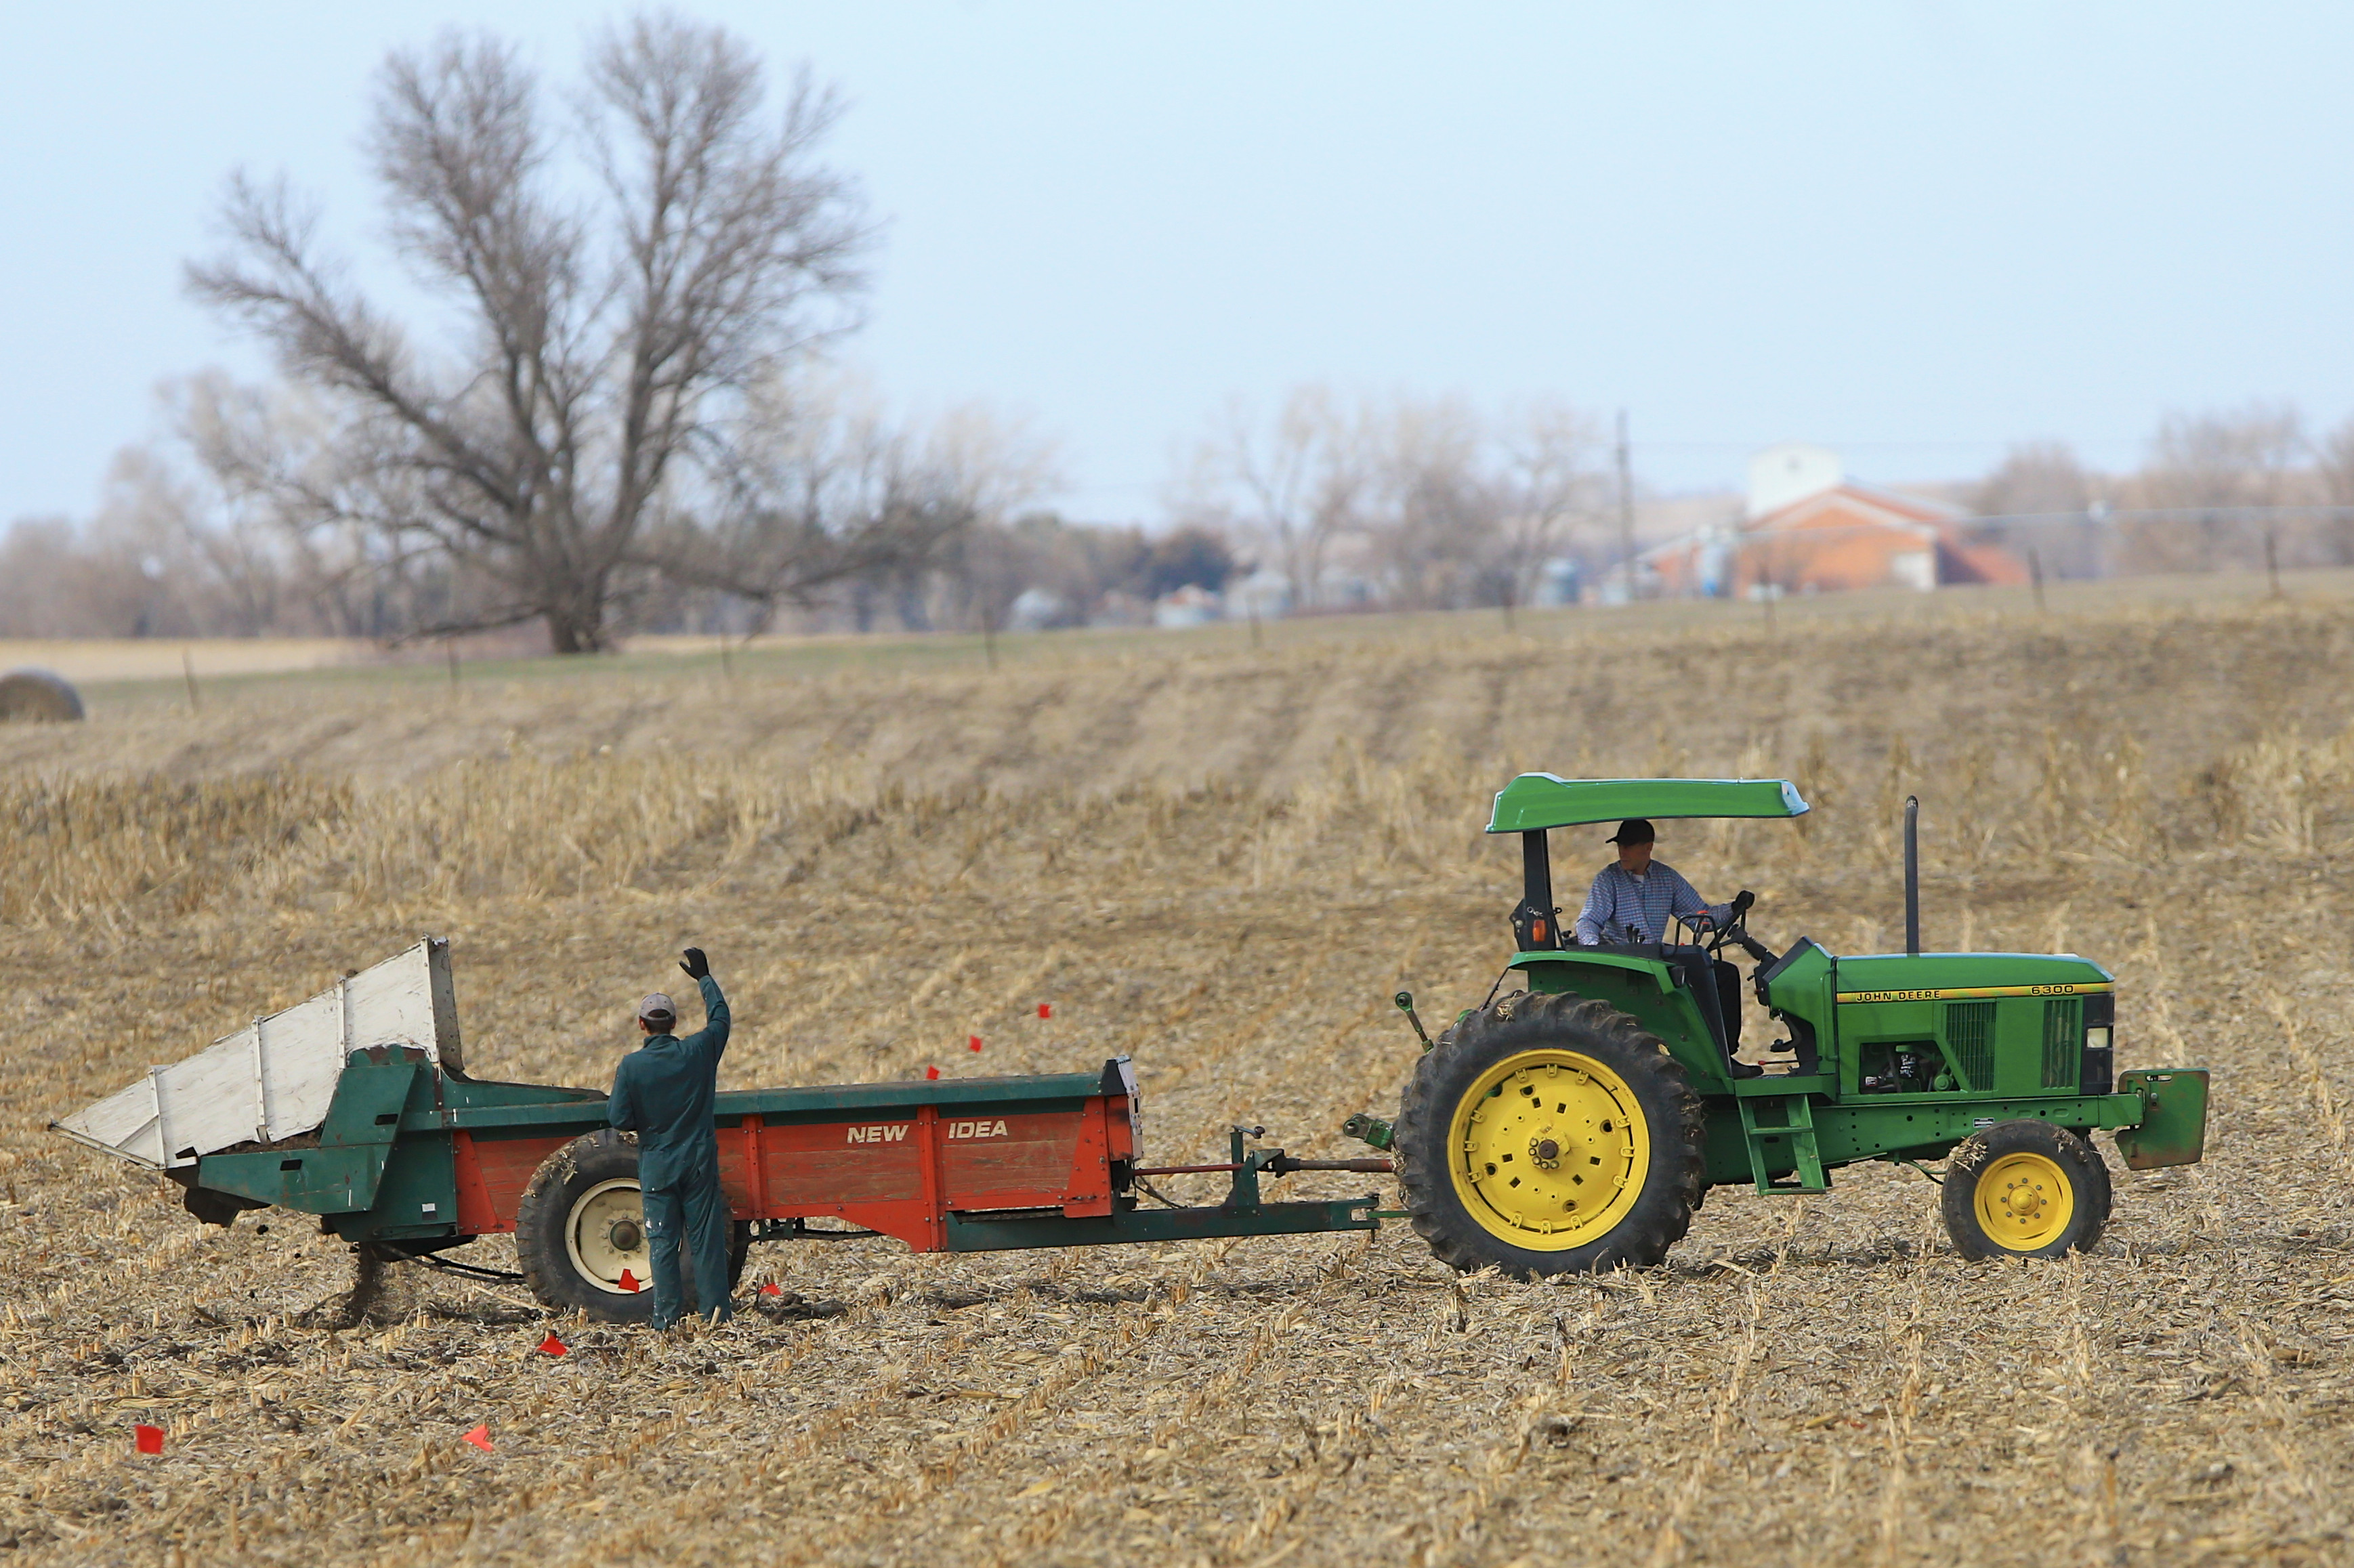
(2042, 498)
(38, 555)
(2336, 487)
(2035, 479)
(819, 489)
(606, 340)
(144, 565)
(2206, 471)
(1435, 512)
(1473, 505)
(1294, 487)
(1548, 490)
(286, 484)
(1445, 505)
(2239, 458)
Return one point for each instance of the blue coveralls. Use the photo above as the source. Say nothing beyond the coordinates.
(663, 1091)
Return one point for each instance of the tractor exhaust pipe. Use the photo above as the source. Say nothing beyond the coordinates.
(1912, 877)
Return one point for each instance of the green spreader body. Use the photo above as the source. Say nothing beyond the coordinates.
(355, 1107)
(418, 1157)
(1892, 1056)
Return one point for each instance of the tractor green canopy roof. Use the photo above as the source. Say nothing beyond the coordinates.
(1535, 800)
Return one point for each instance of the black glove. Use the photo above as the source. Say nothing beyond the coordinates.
(697, 965)
(1743, 900)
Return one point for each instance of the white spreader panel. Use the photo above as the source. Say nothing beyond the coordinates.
(275, 1077)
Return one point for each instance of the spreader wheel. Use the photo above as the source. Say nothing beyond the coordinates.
(1549, 1135)
(580, 1231)
(2024, 1189)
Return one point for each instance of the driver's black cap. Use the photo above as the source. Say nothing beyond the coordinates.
(1633, 831)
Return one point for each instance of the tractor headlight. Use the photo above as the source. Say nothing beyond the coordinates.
(2098, 1074)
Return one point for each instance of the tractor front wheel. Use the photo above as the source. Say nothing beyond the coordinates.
(2024, 1189)
(580, 1232)
(1549, 1135)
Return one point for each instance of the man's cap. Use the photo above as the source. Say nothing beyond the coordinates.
(657, 1009)
(1633, 831)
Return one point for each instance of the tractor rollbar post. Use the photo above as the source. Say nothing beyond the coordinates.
(1536, 923)
(1912, 877)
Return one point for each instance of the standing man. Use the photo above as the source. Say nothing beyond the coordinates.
(663, 1092)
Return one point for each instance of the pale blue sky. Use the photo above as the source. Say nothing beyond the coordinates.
(1915, 231)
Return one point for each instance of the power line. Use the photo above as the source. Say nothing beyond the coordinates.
(1938, 445)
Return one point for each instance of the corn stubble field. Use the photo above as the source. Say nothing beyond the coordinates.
(1220, 860)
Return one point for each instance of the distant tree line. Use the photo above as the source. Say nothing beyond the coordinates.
(867, 524)
(622, 412)
(1422, 503)
(2217, 490)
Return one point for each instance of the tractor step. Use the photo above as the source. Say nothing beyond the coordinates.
(1797, 1126)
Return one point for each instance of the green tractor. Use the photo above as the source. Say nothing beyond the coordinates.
(1576, 1125)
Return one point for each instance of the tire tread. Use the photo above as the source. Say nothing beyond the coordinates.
(1538, 1019)
(1956, 1195)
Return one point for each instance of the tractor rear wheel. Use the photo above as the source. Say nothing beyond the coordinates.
(580, 1231)
(1549, 1135)
(2024, 1189)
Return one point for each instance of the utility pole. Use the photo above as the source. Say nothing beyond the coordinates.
(1625, 509)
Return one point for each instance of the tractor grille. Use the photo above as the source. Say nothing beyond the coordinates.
(2064, 1042)
(1969, 1041)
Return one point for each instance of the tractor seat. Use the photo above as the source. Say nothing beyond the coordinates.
(1696, 972)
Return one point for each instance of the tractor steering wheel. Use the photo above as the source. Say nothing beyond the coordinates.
(1735, 926)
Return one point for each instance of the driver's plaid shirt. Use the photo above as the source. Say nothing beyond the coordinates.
(1619, 899)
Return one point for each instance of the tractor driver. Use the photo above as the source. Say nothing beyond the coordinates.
(663, 1091)
(1633, 900)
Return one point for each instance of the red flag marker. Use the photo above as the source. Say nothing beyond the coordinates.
(629, 1282)
(149, 1438)
(974, 1042)
(1045, 1009)
(772, 1289)
(552, 1346)
(481, 1438)
(931, 1072)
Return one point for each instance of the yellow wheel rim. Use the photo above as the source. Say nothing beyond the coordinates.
(1548, 1150)
(2024, 1201)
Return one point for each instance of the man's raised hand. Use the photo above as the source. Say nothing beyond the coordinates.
(697, 965)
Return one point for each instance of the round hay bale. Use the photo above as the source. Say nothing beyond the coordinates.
(37, 696)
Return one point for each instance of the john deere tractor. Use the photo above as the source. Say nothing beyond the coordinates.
(1578, 1123)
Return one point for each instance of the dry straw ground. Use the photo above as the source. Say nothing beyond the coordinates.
(1221, 859)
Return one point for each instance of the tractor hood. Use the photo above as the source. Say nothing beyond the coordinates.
(1964, 977)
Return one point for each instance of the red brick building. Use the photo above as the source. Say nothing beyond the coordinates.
(1811, 530)
(1853, 537)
